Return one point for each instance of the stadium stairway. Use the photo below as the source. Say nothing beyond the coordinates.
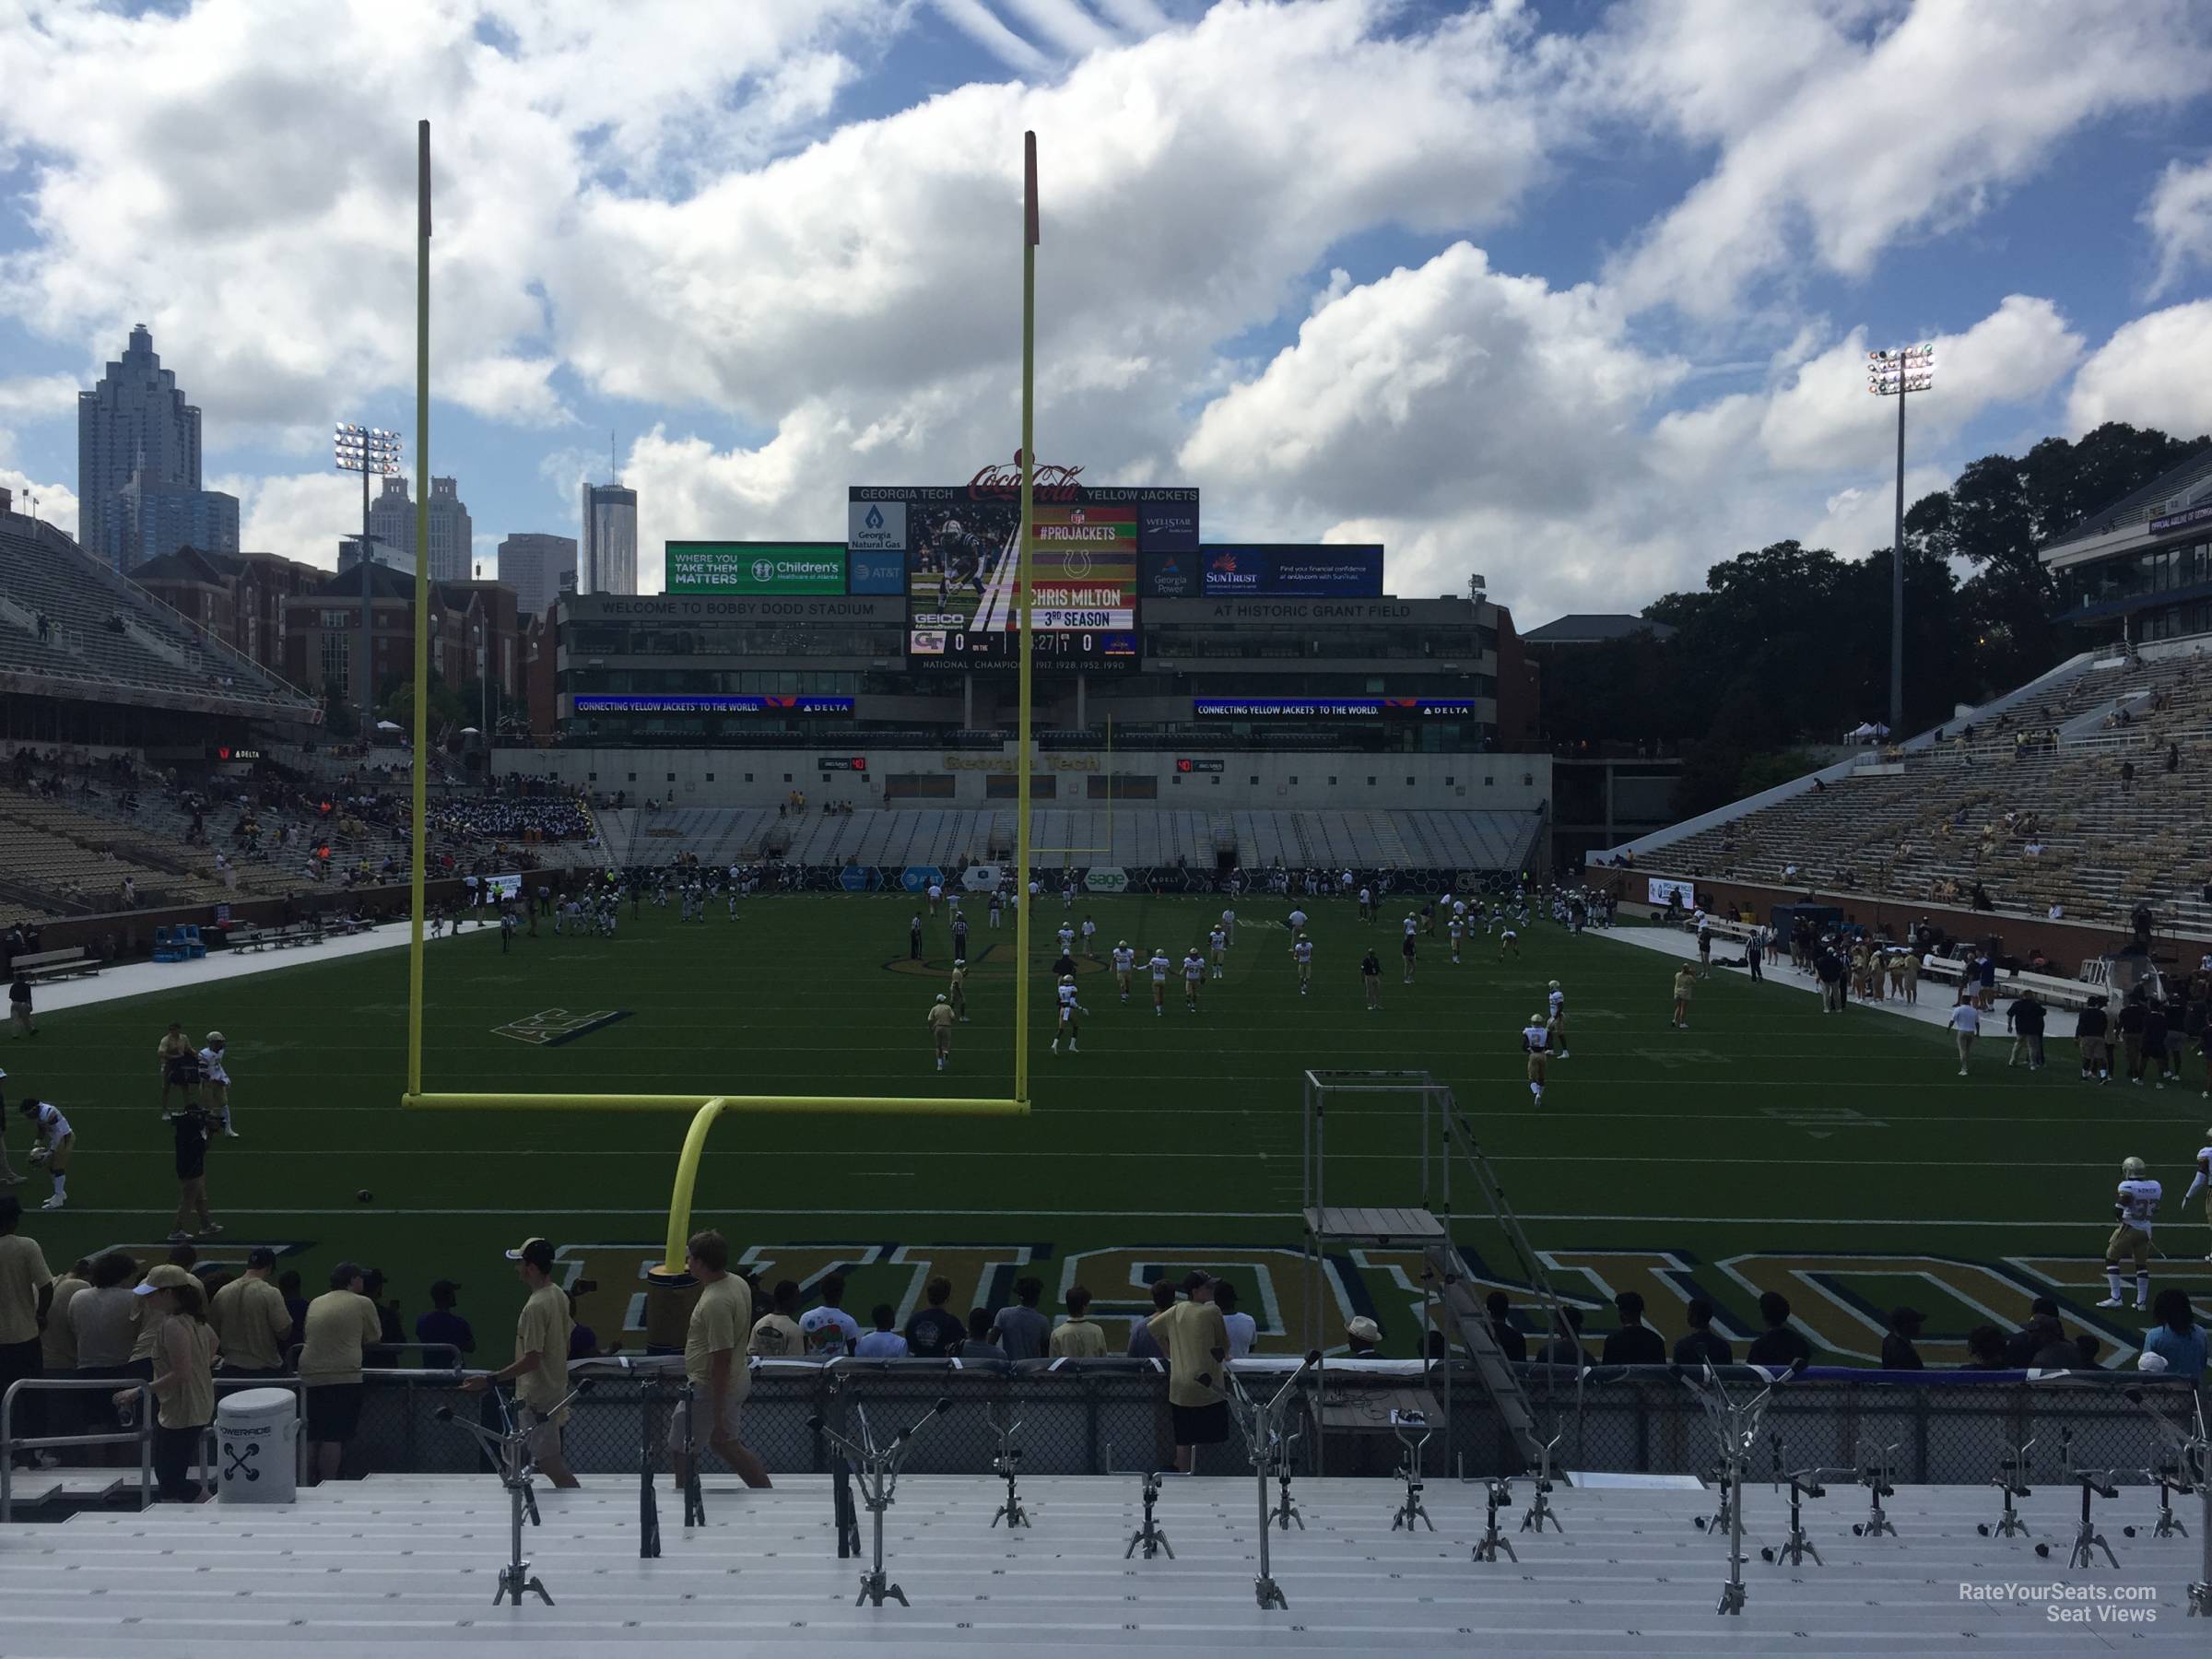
(408, 1564)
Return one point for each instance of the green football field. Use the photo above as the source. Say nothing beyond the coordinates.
(1839, 1159)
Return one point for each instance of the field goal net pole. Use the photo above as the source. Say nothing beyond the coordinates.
(1110, 793)
(705, 1109)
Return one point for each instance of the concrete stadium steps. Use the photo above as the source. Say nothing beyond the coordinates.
(405, 1563)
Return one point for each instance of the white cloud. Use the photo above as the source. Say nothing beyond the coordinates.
(299, 515)
(1479, 422)
(1824, 418)
(39, 396)
(1844, 129)
(2154, 372)
(2179, 216)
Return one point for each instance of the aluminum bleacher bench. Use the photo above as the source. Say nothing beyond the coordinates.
(69, 963)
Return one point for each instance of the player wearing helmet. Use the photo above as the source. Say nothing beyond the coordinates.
(2135, 1208)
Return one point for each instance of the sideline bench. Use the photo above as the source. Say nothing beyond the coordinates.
(276, 938)
(70, 963)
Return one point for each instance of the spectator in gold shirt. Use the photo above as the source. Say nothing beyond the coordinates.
(1197, 1344)
(251, 1321)
(1078, 1336)
(540, 1368)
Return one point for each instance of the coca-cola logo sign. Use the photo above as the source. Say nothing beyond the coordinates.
(1047, 484)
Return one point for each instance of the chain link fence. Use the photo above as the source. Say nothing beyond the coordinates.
(1108, 1417)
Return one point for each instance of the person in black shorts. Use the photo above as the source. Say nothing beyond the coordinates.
(1370, 976)
(192, 1127)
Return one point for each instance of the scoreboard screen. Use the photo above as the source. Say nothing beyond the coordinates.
(964, 604)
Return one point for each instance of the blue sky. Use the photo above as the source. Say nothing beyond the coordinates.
(1573, 295)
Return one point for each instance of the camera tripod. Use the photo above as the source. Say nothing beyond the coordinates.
(510, 1449)
(1497, 1494)
(876, 1467)
(1736, 1426)
(1873, 1474)
(1007, 1464)
(1148, 1534)
(1262, 1424)
(1413, 1432)
(2011, 1480)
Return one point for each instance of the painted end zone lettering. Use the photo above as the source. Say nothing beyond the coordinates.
(550, 1027)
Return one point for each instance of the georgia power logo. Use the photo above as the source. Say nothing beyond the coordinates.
(764, 569)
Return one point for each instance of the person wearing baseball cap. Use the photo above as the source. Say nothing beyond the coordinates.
(339, 1325)
(1197, 1344)
(540, 1368)
(251, 1322)
(184, 1379)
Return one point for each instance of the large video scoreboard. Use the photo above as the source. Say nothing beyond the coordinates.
(963, 598)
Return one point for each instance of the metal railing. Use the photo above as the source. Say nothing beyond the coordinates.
(140, 1434)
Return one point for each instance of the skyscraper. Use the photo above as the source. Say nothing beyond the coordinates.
(607, 560)
(452, 534)
(138, 466)
(532, 564)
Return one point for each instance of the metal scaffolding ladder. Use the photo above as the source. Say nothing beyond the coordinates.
(1446, 1137)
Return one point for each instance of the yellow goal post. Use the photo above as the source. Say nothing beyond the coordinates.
(705, 1107)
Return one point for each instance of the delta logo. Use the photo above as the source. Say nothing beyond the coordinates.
(1226, 571)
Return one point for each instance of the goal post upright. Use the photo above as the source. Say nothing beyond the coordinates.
(1023, 903)
(418, 853)
(704, 1107)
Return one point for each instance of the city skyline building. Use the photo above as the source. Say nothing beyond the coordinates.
(138, 478)
(607, 553)
(453, 532)
(534, 564)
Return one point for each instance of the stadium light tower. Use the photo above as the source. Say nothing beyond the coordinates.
(1894, 375)
(369, 451)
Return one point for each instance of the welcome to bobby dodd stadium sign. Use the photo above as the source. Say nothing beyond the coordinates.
(755, 568)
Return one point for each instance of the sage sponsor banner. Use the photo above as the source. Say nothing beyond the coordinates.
(754, 567)
(1106, 878)
(875, 573)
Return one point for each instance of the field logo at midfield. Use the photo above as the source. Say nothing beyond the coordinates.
(550, 1027)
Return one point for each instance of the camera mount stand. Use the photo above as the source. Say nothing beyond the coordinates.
(876, 1467)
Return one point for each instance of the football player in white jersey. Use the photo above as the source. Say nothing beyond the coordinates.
(1091, 936)
(53, 1141)
(1193, 969)
(1297, 920)
(1229, 927)
(1508, 940)
(1158, 965)
(1301, 952)
(1455, 930)
(1557, 1024)
(1124, 962)
(1071, 1013)
(937, 896)
(1536, 1041)
(1216, 944)
(2135, 1208)
(2204, 1179)
(1367, 903)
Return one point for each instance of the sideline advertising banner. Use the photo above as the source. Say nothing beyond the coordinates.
(754, 567)
(1333, 708)
(601, 702)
